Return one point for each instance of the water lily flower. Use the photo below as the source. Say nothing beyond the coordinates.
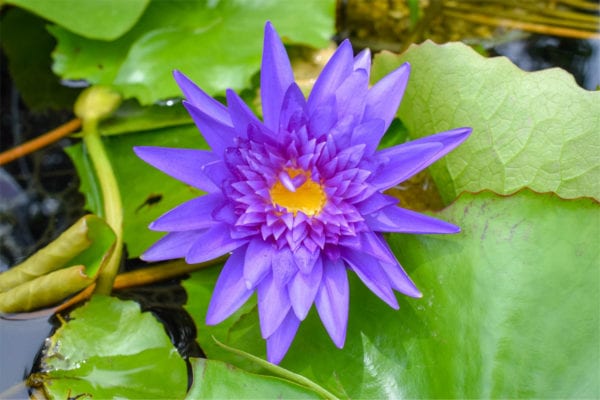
(297, 199)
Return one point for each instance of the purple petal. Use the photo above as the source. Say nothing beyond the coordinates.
(213, 243)
(448, 139)
(369, 243)
(258, 262)
(400, 280)
(303, 288)
(201, 100)
(230, 292)
(351, 95)
(305, 259)
(172, 245)
(371, 274)
(218, 135)
(217, 172)
(363, 61)
(385, 96)
(279, 342)
(284, 266)
(335, 72)
(193, 214)
(276, 76)
(375, 202)
(401, 220)
(369, 133)
(273, 305)
(293, 109)
(403, 163)
(182, 164)
(241, 114)
(322, 119)
(332, 300)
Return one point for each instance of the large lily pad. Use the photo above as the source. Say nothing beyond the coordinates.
(217, 380)
(146, 193)
(510, 309)
(105, 20)
(38, 86)
(218, 44)
(538, 130)
(109, 349)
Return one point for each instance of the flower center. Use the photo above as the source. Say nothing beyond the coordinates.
(298, 192)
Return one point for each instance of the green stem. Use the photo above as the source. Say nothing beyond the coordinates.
(111, 199)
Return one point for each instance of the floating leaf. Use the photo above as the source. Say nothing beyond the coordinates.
(109, 349)
(38, 86)
(217, 44)
(88, 18)
(146, 192)
(538, 130)
(131, 117)
(217, 380)
(510, 309)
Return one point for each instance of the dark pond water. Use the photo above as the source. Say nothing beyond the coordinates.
(39, 199)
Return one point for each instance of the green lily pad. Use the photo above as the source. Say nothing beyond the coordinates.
(109, 349)
(38, 86)
(510, 309)
(88, 18)
(217, 44)
(146, 193)
(217, 380)
(538, 130)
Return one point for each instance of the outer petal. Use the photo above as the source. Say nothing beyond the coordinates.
(396, 219)
(284, 266)
(293, 109)
(218, 135)
(258, 262)
(279, 342)
(400, 280)
(275, 77)
(351, 95)
(273, 305)
(201, 100)
(183, 164)
(303, 289)
(369, 133)
(332, 300)
(241, 114)
(385, 96)
(339, 67)
(213, 243)
(369, 243)
(375, 203)
(369, 271)
(403, 163)
(230, 292)
(448, 139)
(172, 245)
(363, 61)
(191, 215)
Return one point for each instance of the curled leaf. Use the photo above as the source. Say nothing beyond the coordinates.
(45, 290)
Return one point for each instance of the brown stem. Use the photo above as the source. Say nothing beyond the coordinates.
(40, 142)
(525, 26)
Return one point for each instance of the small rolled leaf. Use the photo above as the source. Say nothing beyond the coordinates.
(45, 290)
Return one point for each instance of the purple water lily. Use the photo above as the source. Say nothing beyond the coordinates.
(297, 199)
